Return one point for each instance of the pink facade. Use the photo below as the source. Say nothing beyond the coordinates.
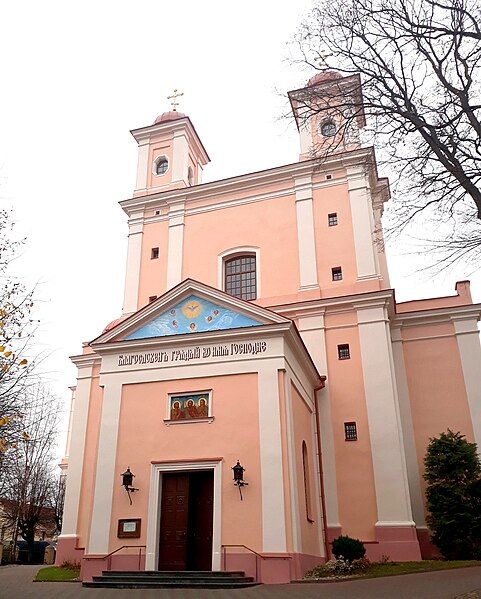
(278, 342)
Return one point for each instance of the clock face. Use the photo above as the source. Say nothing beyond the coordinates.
(191, 309)
(328, 128)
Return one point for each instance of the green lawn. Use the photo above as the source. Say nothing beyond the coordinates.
(55, 574)
(394, 568)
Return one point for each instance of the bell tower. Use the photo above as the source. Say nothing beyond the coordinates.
(171, 155)
(329, 114)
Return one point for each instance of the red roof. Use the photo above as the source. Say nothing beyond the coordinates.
(324, 77)
(171, 115)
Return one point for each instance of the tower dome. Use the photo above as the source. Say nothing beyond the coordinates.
(171, 115)
(324, 77)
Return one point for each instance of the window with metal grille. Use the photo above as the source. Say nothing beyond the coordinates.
(154, 253)
(337, 273)
(240, 277)
(332, 219)
(343, 351)
(350, 431)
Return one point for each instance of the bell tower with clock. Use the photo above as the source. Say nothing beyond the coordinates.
(329, 114)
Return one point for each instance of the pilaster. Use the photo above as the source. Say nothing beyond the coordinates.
(467, 336)
(134, 258)
(407, 429)
(305, 233)
(76, 449)
(312, 331)
(362, 223)
(390, 476)
(105, 473)
(176, 244)
(273, 510)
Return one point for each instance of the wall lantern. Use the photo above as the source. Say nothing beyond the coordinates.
(239, 477)
(127, 481)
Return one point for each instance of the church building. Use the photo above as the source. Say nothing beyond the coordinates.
(262, 392)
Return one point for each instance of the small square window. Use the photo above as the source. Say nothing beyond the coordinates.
(337, 273)
(157, 212)
(332, 219)
(350, 431)
(152, 298)
(343, 352)
(154, 253)
(328, 177)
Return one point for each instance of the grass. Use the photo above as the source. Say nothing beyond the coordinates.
(377, 569)
(56, 574)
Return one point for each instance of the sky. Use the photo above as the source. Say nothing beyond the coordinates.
(77, 77)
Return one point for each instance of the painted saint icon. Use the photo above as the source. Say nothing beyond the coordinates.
(189, 407)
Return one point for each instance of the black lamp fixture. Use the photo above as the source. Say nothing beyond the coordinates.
(127, 481)
(239, 477)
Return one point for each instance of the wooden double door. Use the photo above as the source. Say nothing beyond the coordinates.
(186, 521)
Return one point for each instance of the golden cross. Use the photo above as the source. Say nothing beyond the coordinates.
(173, 99)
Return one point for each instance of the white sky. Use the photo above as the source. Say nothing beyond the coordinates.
(76, 77)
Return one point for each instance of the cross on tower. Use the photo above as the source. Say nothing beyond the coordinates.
(322, 60)
(173, 99)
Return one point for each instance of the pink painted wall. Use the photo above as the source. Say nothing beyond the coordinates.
(153, 273)
(334, 245)
(354, 470)
(234, 434)
(436, 385)
(302, 417)
(269, 225)
(461, 298)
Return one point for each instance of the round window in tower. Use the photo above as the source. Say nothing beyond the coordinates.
(161, 165)
(328, 128)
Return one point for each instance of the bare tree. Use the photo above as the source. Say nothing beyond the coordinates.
(30, 488)
(419, 64)
(17, 328)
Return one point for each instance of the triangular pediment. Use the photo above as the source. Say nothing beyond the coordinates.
(194, 314)
(187, 309)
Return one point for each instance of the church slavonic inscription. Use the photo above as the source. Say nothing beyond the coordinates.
(251, 348)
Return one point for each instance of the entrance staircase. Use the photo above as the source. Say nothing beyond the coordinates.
(154, 579)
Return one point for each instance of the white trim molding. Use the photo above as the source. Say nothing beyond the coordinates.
(154, 507)
(232, 253)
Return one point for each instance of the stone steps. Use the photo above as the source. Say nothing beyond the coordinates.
(151, 579)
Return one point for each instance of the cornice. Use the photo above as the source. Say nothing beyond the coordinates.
(85, 360)
(438, 315)
(143, 134)
(254, 180)
(373, 299)
(186, 339)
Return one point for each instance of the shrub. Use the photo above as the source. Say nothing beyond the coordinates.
(453, 495)
(349, 549)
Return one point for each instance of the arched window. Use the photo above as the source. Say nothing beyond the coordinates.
(161, 165)
(240, 276)
(307, 484)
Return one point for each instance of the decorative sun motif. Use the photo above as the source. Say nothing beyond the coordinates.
(192, 309)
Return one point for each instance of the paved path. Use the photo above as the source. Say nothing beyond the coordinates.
(16, 583)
